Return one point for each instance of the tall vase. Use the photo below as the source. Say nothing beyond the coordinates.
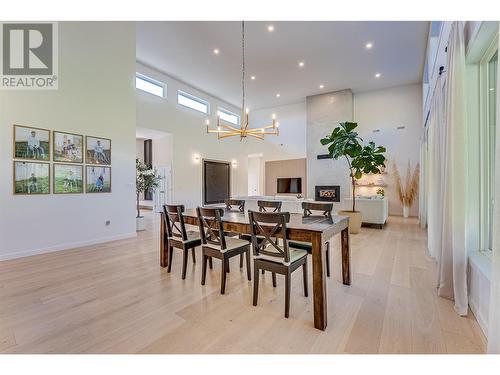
(406, 211)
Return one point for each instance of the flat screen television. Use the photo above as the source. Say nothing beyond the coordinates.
(290, 185)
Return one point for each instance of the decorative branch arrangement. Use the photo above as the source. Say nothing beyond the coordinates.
(407, 189)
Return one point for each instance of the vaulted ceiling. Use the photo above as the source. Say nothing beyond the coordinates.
(334, 55)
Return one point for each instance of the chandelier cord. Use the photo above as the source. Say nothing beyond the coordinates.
(243, 63)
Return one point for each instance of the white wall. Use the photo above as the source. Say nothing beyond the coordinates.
(386, 110)
(189, 137)
(139, 147)
(95, 97)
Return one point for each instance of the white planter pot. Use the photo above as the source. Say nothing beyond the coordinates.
(406, 211)
(140, 223)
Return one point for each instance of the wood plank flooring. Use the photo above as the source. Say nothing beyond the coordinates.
(114, 298)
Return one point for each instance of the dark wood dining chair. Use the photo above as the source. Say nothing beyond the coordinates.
(264, 206)
(235, 205)
(178, 236)
(215, 243)
(320, 210)
(271, 256)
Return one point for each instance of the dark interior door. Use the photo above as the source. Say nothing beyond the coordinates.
(216, 181)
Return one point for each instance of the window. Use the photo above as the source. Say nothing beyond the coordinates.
(150, 85)
(193, 102)
(488, 70)
(228, 116)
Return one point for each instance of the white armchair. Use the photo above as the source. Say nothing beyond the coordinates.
(374, 211)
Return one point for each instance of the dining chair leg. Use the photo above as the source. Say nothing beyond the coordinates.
(241, 260)
(255, 284)
(184, 263)
(288, 280)
(263, 271)
(204, 259)
(223, 276)
(274, 280)
(304, 274)
(249, 272)
(170, 253)
(210, 264)
(328, 259)
(227, 265)
(194, 254)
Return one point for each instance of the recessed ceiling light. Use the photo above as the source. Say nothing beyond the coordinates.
(369, 45)
(278, 95)
(301, 63)
(377, 75)
(270, 28)
(321, 86)
(252, 78)
(216, 51)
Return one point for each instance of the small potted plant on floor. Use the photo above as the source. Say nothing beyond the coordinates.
(146, 180)
(344, 142)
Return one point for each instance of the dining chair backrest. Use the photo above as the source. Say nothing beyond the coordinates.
(174, 221)
(269, 226)
(325, 208)
(235, 204)
(264, 205)
(211, 227)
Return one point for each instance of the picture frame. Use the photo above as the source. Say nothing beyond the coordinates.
(67, 147)
(30, 178)
(31, 143)
(97, 179)
(97, 150)
(67, 178)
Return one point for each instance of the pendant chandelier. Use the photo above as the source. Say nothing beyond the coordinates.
(224, 130)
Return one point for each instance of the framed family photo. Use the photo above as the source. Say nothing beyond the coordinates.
(67, 147)
(97, 179)
(68, 179)
(97, 150)
(31, 178)
(31, 143)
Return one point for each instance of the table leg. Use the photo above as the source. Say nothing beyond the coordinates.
(163, 245)
(319, 282)
(346, 256)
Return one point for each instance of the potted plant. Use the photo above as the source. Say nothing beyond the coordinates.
(146, 179)
(344, 142)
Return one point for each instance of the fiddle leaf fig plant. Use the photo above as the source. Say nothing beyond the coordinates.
(344, 142)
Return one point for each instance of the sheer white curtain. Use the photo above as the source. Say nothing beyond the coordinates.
(494, 315)
(434, 172)
(453, 255)
(422, 195)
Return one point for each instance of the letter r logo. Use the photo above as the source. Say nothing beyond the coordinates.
(27, 49)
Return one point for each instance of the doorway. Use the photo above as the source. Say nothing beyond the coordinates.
(255, 175)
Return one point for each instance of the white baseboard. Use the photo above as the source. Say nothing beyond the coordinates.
(66, 246)
(479, 317)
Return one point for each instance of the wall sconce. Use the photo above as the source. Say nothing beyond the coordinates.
(196, 158)
(234, 163)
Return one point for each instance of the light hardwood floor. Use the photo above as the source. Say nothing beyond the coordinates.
(114, 298)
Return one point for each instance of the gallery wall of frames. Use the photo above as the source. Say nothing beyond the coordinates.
(46, 161)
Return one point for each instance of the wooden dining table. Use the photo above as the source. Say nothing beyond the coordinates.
(314, 229)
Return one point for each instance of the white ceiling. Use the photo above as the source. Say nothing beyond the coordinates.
(334, 54)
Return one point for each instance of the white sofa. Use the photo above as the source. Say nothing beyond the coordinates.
(374, 210)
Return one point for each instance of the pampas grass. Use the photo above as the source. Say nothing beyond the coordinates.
(408, 189)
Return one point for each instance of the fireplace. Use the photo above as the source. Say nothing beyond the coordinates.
(327, 193)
